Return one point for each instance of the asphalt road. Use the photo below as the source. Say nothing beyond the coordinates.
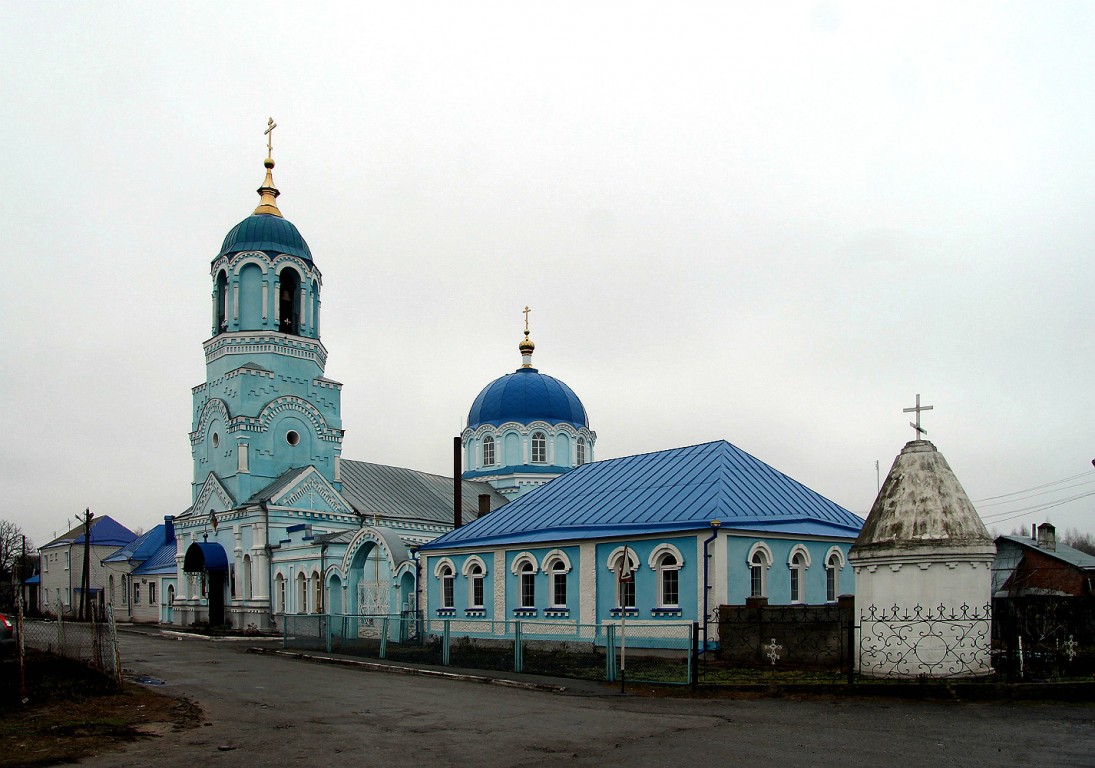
(266, 710)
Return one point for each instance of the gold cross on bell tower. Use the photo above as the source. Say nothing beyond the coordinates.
(527, 310)
(269, 133)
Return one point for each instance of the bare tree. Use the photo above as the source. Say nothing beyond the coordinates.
(11, 561)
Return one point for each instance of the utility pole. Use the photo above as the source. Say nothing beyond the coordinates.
(85, 603)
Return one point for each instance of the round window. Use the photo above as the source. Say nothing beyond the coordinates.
(216, 439)
(292, 437)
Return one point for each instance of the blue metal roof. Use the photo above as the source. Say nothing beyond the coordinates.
(265, 232)
(674, 490)
(161, 561)
(524, 396)
(140, 548)
(105, 532)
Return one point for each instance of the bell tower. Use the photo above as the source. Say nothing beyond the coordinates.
(265, 406)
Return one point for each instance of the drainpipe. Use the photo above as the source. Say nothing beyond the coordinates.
(269, 561)
(706, 586)
(322, 577)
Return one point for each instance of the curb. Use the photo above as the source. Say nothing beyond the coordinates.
(373, 666)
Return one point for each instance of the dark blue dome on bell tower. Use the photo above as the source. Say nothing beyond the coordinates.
(266, 232)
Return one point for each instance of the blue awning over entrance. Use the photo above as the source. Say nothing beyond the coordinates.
(205, 556)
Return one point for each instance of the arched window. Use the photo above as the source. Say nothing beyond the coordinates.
(302, 594)
(125, 590)
(488, 451)
(279, 592)
(758, 573)
(475, 586)
(112, 589)
(798, 577)
(558, 584)
(220, 299)
(539, 447)
(447, 595)
(528, 585)
(247, 577)
(581, 451)
(289, 302)
(833, 563)
(669, 569)
(625, 590)
(170, 594)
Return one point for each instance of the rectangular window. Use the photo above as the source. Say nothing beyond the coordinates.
(670, 583)
(476, 591)
(136, 594)
(626, 595)
(447, 597)
(152, 593)
(830, 584)
(559, 589)
(528, 590)
(756, 580)
(796, 587)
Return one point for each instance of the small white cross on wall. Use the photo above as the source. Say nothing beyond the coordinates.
(773, 649)
(916, 425)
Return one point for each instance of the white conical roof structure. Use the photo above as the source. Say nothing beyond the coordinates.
(921, 507)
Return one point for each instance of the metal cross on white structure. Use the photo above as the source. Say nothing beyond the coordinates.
(916, 425)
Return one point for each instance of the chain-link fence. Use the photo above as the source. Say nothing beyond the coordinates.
(93, 643)
(660, 652)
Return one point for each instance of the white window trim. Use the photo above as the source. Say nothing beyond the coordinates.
(839, 554)
(798, 549)
(760, 546)
(440, 563)
(615, 555)
(465, 569)
(523, 557)
(552, 556)
(662, 549)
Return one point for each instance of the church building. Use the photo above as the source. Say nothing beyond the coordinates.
(280, 523)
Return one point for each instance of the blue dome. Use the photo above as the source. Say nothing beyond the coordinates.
(526, 396)
(264, 232)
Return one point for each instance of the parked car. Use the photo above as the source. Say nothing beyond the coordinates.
(7, 636)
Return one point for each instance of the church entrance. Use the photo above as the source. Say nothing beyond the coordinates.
(371, 587)
(210, 560)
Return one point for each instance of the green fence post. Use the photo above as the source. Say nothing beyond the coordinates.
(445, 644)
(518, 648)
(384, 638)
(327, 618)
(610, 653)
(694, 657)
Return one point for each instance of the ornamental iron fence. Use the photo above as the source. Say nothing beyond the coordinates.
(925, 643)
(1044, 637)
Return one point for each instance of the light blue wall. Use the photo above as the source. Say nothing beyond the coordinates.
(779, 575)
(646, 579)
(260, 407)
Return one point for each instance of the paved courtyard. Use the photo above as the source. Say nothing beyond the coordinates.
(267, 710)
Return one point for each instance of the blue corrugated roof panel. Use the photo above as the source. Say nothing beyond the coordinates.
(679, 489)
(138, 549)
(161, 561)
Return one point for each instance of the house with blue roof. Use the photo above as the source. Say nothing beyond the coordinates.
(141, 576)
(659, 537)
(62, 565)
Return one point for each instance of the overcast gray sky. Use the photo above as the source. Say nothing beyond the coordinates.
(772, 223)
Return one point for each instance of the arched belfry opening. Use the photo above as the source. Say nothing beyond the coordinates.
(289, 302)
(220, 298)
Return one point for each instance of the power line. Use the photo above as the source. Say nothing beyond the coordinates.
(1036, 487)
(1040, 493)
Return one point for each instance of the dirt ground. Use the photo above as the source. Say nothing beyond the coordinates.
(73, 713)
